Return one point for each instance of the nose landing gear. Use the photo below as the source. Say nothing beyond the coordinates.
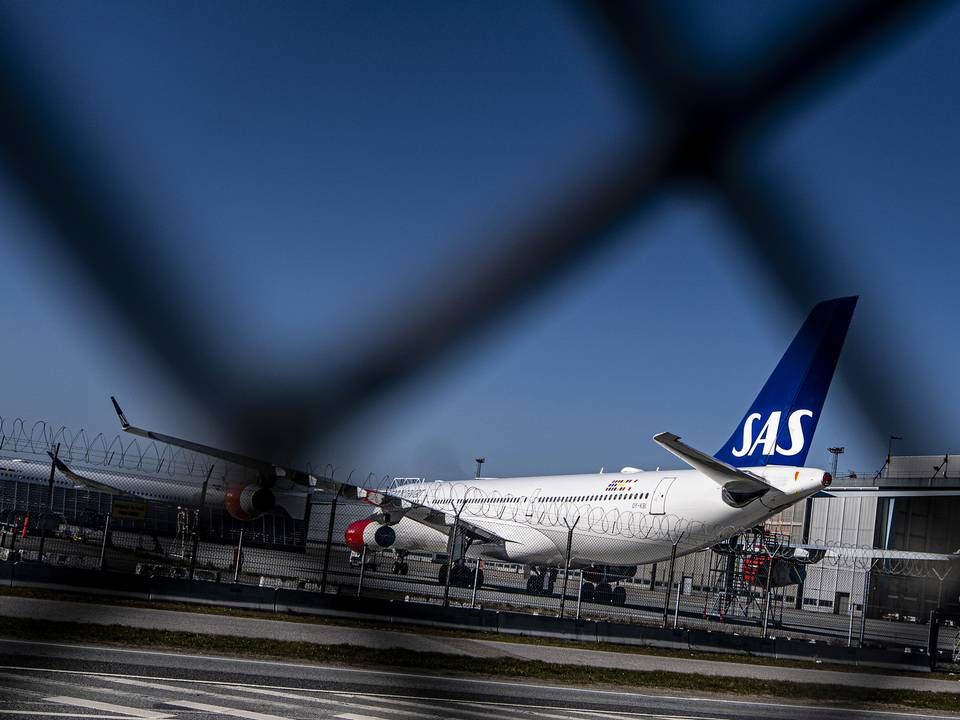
(400, 566)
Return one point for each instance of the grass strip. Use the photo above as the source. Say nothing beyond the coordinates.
(233, 646)
(400, 626)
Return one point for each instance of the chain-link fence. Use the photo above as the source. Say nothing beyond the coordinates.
(694, 575)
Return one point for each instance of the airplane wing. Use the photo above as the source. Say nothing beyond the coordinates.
(739, 483)
(437, 518)
(79, 479)
(389, 503)
(263, 467)
(856, 553)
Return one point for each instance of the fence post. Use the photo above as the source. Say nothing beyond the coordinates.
(766, 599)
(476, 580)
(451, 551)
(46, 518)
(326, 551)
(866, 601)
(673, 563)
(580, 595)
(363, 566)
(196, 525)
(566, 564)
(239, 563)
(103, 544)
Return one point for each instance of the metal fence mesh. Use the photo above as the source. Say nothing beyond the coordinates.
(710, 129)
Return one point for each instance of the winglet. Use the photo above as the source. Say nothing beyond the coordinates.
(123, 418)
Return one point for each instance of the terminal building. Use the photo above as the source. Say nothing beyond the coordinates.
(912, 504)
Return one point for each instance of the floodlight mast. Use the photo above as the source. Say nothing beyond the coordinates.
(836, 452)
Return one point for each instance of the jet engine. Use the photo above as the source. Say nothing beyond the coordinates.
(245, 501)
(756, 568)
(370, 533)
(406, 534)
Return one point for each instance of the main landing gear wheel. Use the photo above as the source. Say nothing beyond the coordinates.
(460, 576)
(619, 596)
(604, 591)
(535, 585)
(587, 592)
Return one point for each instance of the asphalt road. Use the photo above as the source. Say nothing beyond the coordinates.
(47, 680)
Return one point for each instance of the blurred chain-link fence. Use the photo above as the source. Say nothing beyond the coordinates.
(709, 127)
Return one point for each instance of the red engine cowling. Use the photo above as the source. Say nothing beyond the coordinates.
(370, 533)
(245, 501)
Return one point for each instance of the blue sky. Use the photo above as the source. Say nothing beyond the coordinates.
(312, 164)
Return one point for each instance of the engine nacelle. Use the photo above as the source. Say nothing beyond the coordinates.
(406, 534)
(756, 568)
(245, 501)
(369, 533)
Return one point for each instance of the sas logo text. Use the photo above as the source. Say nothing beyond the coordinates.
(767, 437)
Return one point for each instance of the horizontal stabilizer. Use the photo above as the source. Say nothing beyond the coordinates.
(739, 484)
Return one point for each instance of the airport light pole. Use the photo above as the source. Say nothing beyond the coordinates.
(836, 452)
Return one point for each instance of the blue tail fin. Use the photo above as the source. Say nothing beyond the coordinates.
(779, 426)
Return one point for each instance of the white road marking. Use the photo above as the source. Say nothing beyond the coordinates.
(338, 703)
(47, 713)
(124, 710)
(221, 710)
(353, 716)
(446, 678)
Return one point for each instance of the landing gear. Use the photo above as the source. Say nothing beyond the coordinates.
(460, 576)
(604, 594)
(400, 566)
(542, 581)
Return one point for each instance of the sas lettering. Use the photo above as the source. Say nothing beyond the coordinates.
(767, 437)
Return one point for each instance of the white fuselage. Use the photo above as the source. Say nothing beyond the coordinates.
(172, 491)
(626, 518)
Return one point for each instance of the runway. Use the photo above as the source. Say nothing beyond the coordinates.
(41, 681)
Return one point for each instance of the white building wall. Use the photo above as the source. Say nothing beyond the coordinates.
(838, 521)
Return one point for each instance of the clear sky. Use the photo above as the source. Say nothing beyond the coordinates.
(312, 163)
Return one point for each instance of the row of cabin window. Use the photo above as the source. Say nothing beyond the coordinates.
(574, 498)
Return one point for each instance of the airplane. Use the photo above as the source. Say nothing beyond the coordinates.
(242, 500)
(614, 522)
